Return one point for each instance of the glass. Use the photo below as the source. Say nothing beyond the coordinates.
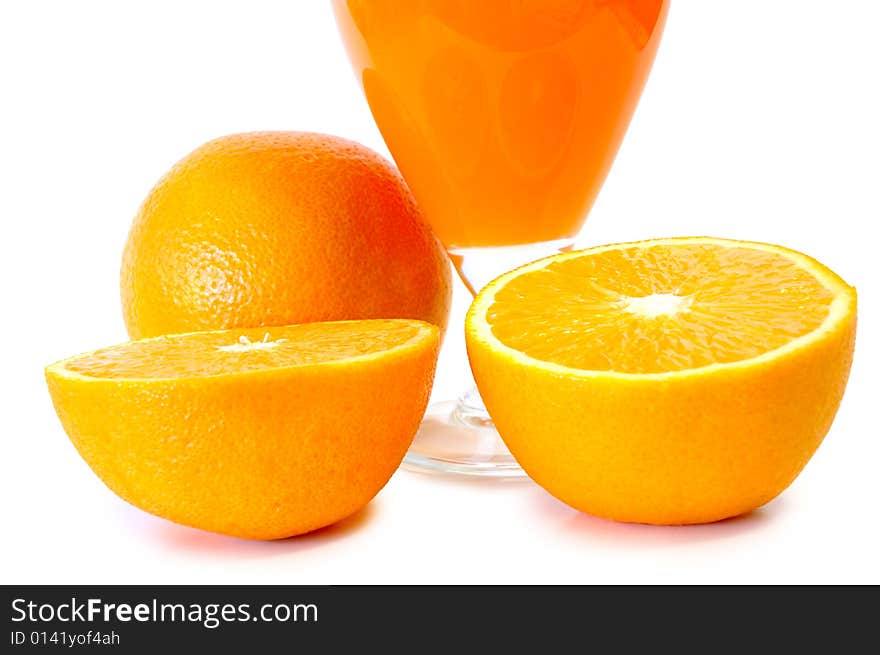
(504, 117)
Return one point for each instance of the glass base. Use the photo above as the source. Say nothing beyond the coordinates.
(458, 438)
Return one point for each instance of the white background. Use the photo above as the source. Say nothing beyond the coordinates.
(760, 122)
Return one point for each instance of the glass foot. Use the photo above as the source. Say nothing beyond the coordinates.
(457, 437)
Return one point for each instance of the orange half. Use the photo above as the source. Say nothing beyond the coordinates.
(260, 433)
(666, 381)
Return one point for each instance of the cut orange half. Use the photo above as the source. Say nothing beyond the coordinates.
(259, 433)
(667, 381)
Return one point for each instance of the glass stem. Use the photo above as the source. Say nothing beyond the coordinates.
(479, 266)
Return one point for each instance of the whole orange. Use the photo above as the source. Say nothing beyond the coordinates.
(274, 228)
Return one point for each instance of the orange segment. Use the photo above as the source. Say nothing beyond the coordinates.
(259, 433)
(668, 381)
(658, 307)
(234, 352)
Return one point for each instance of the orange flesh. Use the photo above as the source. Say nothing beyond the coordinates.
(712, 305)
(245, 350)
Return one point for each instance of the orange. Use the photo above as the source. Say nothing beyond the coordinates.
(669, 381)
(259, 433)
(275, 228)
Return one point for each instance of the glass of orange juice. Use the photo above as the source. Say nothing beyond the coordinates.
(504, 117)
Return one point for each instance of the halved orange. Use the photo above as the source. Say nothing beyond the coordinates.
(258, 433)
(668, 381)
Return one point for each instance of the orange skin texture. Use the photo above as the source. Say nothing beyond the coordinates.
(262, 455)
(276, 228)
(692, 449)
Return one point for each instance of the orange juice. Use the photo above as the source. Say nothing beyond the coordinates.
(504, 116)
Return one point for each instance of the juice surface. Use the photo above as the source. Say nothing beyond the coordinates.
(504, 116)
